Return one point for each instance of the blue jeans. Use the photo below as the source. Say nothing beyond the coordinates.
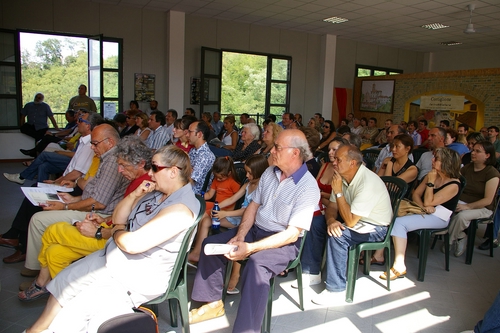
(44, 165)
(337, 252)
(314, 246)
(491, 320)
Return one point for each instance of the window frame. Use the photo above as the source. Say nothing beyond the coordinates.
(372, 69)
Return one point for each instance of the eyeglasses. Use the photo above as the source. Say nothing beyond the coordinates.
(158, 168)
(96, 143)
(81, 120)
(280, 148)
(324, 126)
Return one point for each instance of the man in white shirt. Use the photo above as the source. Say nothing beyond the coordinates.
(169, 124)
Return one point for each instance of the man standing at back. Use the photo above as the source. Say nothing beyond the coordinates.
(269, 235)
(202, 158)
(82, 100)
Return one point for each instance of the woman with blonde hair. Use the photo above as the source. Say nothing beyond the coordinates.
(141, 120)
(270, 134)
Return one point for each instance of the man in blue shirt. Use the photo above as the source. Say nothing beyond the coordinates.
(37, 113)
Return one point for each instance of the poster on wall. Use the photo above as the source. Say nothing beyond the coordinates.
(195, 91)
(442, 102)
(377, 95)
(144, 87)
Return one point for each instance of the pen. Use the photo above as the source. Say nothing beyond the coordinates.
(92, 211)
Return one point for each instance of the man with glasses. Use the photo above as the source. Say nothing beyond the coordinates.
(72, 164)
(100, 194)
(352, 206)
(202, 158)
(82, 100)
(269, 236)
(76, 167)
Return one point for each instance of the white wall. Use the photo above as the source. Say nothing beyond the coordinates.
(351, 53)
(456, 59)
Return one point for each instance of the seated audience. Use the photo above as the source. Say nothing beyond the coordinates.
(353, 139)
(131, 127)
(327, 135)
(200, 155)
(249, 144)
(386, 151)
(136, 265)
(102, 193)
(325, 174)
(437, 135)
(216, 123)
(463, 129)
(64, 243)
(229, 138)
(369, 134)
(270, 134)
(143, 130)
(412, 130)
(314, 123)
(269, 237)
(477, 199)
(472, 139)
(352, 205)
(382, 135)
(159, 137)
(312, 137)
(440, 187)
(452, 142)
(356, 128)
(181, 133)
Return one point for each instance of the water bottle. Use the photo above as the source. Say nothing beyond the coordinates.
(215, 220)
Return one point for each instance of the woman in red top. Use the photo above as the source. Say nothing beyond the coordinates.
(181, 132)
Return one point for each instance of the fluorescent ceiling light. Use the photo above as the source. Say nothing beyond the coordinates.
(335, 19)
(450, 43)
(434, 26)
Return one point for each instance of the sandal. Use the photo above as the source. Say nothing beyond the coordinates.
(32, 293)
(283, 274)
(27, 163)
(397, 275)
(206, 312)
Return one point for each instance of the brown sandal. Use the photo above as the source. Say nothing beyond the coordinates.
(397, 275)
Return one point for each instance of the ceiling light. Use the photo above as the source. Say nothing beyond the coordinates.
(434, 26)
(335, 19)
(450, 43)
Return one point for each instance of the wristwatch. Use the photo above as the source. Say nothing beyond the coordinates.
(430, 184)
(340, 194)
(98, 233)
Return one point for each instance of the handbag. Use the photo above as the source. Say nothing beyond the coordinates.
(408, 207)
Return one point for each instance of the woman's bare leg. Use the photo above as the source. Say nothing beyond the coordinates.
(235, 276)
(43, 277)
(203, 229)
(400, 251)
(49, 313)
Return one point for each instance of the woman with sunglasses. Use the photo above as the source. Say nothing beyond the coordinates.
(328, 135)
(136, 264)
(131, 127)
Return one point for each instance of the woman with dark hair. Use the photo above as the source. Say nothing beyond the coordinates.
(477, 199)
(364, 122)
(181, 132)
(142, 121)
(399, 165)
(131, 127)
(440, 187)
(472, 139)
(328, 135)
(325, 174)
(136, 264)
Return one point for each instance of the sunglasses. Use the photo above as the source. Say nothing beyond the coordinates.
(158, 168)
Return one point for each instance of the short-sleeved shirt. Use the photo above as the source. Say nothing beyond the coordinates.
(291, 201)
(83, 157)
(84, 102)
(202, 160)
(368, 197)
(225, 190)
(459, 147)
(108, 185)
(476, 183)
(373, 132)
(37, 114)
(417, 138)
(424, 164)
(424, 134)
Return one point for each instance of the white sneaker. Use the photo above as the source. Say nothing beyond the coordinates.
(330, 298)
(308, 280)
(13, 177)
(460, 248)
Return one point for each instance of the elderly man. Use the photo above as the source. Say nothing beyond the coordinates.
(437, 136)
(170, 117)
(201, 156)
(62, 161)
(101, 194)
(63, 243)
(37, 113)
(268, 235)
(82, 100)
(159, 137)
(79, 165)
(286, 120)
(386, 151)
(354, 215)
(356, 126)
(216, 123)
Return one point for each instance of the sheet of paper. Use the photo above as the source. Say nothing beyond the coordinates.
(55, 187)
(39, 196)
(442, 212)
(362, 227)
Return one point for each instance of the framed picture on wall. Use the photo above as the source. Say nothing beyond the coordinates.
(377, 96)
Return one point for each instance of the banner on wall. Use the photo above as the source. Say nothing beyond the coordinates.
(442, 102)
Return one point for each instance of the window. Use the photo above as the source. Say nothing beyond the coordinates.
(362, 71)
(236, 82)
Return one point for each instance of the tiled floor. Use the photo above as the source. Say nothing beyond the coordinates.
(447, 302)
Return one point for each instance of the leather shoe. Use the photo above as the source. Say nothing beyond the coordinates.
(28, 152)
(18, 256)
(206, 312)
(29, 272)
(9, 242)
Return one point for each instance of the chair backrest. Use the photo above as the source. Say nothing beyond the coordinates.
(241, 173)
(294, 262)
(207, 181)
(180, 266)
(370, 156)
(322, 157)
(396, 187)
(417, 153)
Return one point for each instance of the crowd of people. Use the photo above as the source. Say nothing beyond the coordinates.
(134, 182)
